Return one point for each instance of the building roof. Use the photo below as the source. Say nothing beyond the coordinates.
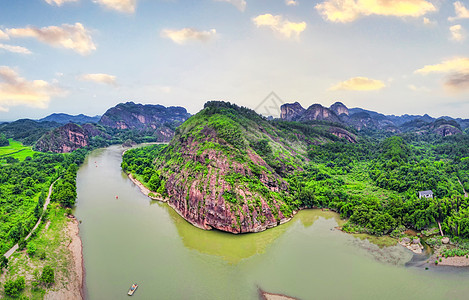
(423, 193)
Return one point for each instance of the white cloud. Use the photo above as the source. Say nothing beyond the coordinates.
(427, 21)
(344, 11)
(74, 37)
(359, 84)
(126, 6)
(15, 49)
(457, 64)
(15, 90)
(3, 35)
(239, 4)
(99, 78)
(279, 25)
(292, 2)
(184, 35)
(59, 2)
(461, 11)
(418, 88)
(457, 33)
(456, 70)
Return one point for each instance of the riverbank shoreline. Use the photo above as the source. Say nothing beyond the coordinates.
(145, 190)
(263, 295)
(74, 290)
(416, 248)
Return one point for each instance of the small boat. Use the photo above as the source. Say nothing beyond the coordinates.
(132, 289)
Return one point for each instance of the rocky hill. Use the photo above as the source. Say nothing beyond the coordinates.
(66, 118)
(225, 167)
(370, 121)
(67, 138)
(163, 120)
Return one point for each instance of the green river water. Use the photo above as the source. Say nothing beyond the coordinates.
(132, 239)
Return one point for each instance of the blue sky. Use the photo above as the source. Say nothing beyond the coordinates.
(85, 56)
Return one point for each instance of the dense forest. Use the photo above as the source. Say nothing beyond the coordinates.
(373, 182)
(24, 187)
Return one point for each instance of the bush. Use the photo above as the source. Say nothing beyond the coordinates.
(13, 288)
(3, 262)
(42, 254)
(47, 276)
(31, 249)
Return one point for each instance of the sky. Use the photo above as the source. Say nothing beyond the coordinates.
(85, 56)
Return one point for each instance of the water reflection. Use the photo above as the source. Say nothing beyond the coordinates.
(232, 248)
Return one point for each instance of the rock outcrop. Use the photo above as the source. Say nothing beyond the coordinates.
(318, 112)
(291, 112)
(339, 109)
(296, 112)
(365, 120)
(138, 116)
(64, 139)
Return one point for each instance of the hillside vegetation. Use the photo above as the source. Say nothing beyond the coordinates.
(226, 167)
(231, 169)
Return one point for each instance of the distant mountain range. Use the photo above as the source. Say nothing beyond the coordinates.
(62, 118)
(367, 121)
(143, 123)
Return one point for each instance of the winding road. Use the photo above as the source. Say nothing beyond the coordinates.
(15, 247)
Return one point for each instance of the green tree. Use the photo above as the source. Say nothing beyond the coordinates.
(3, 140)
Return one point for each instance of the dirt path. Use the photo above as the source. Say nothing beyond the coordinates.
(465, 193)
(15, 247)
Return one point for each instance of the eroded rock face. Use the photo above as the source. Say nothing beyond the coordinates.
(319, 112)
(446, 130)
(342, 133)
(138, 116)
(199, 197)
(295, 112)
(339, 109)
(64, 139)
(291, 111)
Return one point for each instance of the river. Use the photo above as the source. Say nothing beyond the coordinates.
(133, 239)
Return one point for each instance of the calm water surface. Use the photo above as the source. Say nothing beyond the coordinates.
(132, 239)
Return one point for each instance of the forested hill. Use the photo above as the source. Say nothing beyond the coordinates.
(226, 167)
(27, 131)
(128, 123)
(231, 169)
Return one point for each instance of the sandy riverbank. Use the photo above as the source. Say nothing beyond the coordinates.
(74, 289)
(263, 295)
(145, 190)
(455, 261)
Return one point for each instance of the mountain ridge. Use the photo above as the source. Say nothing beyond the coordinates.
(64, 118)
(362, 119)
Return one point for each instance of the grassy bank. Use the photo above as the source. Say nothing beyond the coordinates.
(16, 150)
(51, 242)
